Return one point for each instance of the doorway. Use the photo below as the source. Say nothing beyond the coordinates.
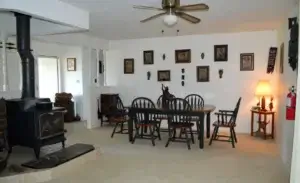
(48, 77)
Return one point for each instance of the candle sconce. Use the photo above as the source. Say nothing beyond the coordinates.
(148, 75)
(221, 73)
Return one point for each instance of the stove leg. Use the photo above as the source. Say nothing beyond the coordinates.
(63, 144)
(37, 152)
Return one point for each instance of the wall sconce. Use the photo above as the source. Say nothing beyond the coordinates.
(148, 75)
(221, 73)
(202, 55)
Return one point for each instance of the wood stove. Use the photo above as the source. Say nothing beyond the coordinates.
(32, 122)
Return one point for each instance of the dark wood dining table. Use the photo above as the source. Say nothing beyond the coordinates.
(199, 112)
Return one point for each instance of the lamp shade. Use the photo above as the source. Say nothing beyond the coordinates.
(263, 88)
(170, 20)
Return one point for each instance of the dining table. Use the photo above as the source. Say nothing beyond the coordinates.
(199, 112)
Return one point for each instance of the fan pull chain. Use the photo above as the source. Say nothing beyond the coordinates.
(177, 32)
(162, 32)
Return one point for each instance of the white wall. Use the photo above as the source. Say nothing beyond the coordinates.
(223, 93)
(285, 128)
(70, 81)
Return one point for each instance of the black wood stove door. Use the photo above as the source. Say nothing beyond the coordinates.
(51, 124)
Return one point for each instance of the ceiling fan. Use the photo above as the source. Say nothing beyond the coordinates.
(172, 9)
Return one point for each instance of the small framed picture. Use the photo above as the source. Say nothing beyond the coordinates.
(183, 56)
(203, 74)
(129, 66)
(247, 62)
(148, 57)
(71, 64)
(164, 75)
(221, 53)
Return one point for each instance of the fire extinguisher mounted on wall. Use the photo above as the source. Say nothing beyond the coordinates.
(291, 104)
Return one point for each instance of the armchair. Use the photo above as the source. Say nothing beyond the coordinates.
(226, 119)
(65, 100)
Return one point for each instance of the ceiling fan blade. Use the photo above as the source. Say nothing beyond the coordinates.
(188, 17)
(153, 17)
(147, 7)
(193, 7)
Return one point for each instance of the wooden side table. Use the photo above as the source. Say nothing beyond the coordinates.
(263, 122)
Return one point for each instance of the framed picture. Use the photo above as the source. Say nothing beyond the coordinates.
(183, 56)
(148, 57)
(71, 64)
(128, 66)
(247, 62)
(281, 58)
(164, 75)
(221, 53)
(202, 73)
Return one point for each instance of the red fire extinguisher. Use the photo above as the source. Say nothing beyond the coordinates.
(291, 104)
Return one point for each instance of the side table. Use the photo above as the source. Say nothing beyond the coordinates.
(263, 122)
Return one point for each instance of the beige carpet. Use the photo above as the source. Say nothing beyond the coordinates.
(118, 161)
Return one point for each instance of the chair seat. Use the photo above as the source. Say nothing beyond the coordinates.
(118, 119)
(223, 124)
(182, 125)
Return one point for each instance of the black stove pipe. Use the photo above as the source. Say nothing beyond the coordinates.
(23, 47)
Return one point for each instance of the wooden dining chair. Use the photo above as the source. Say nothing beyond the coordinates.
(159, 104)
(4, 147)
(226, 119)
(144, 121)
(178, 121)
(195, 102)
(119, 116)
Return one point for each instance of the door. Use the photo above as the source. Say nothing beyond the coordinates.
(48, 77)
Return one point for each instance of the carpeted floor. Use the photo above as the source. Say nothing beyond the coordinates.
(253, 160)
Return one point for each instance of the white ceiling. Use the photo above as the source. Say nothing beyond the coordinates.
(116, 19)
(37, 26)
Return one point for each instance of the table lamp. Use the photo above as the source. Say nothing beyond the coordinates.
(263, 89)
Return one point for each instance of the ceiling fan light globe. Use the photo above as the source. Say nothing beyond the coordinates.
(170, 20)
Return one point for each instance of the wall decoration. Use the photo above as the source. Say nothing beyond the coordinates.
(71, 64)
(182, 71)
(183, 77)
(221, 53)
(100, 67)
(164, 57)
(272, 59)
(221, 73)
(202, 56)
(128, 66)
(247, 62)
(148, 57)
(281, 58)
(293, 42)
(202, 73)
(148, 75)
(164, 75)
(183, 56)
(182, 83)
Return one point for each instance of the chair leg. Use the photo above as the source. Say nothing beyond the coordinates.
(232, 138)
(180, 134)
(235, 138)
(136, 134)
(213, 135)
(158, 131)
(217, 132)
(170, 137)
(112, 135)
(192, 135)
(152, 130)
(187, 139)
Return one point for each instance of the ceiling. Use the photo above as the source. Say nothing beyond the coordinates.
(116, 19)
(37, 26)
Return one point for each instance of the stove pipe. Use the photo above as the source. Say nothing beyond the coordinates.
(23, 47)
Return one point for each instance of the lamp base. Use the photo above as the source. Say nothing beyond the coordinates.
(263, 104)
